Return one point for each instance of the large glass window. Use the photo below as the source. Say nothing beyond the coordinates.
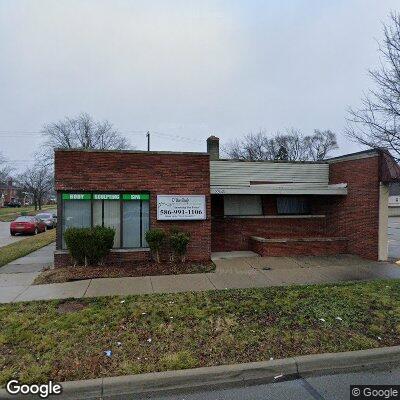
(76, 214)
(131, 222)
(112, 219)
(241, 204)
(128, 214)
(145, 221)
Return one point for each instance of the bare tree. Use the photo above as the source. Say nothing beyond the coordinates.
(5, 169)
(38, 182)
(376, 123)
(83, 132)
(291, 146)
(320, 144)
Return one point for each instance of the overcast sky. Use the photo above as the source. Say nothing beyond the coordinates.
(184, 68)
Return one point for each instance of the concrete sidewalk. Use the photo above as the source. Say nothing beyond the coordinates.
(241, 272)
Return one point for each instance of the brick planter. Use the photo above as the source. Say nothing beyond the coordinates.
(298, 247)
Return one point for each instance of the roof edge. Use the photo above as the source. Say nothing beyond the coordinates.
(190, 153)
(355, 156)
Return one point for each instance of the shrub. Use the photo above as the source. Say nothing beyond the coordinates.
(75, 241)
(179, 242)
(89, 246)
(100, 241)
(155, 239)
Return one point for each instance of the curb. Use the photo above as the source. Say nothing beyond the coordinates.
(224, 376)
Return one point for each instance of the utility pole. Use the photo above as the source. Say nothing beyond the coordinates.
(148, 140)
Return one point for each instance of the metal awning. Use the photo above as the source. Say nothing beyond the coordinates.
(283, 189)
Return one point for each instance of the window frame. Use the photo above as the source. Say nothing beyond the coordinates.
(121, 200)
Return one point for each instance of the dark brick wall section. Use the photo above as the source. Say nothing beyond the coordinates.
(356, 216)
(232, 234)
(317, 248)
(157, 173)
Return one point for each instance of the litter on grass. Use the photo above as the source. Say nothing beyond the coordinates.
(322, 319)
(108, 353)
(339, 319)
(149, 339)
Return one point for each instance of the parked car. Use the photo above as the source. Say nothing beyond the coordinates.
(27, 225)
(49, 219)
(13, 203)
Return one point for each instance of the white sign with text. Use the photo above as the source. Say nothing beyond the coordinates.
(177, 207)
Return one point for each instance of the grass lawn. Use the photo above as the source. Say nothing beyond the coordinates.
(66, 340)
(8, 214)
(25, 246)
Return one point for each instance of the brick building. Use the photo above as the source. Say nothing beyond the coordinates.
(272, 208)
(8, 192)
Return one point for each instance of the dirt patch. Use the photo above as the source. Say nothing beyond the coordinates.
(69, 274)
(70, 306)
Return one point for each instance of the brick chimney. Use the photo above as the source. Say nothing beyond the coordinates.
(213, 147)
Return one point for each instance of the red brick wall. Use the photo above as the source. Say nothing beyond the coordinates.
(231, 234)
(356, 215)
(317, 248)
(157, 173)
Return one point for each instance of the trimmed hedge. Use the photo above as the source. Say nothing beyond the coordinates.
(155, 238)
(179, 242)
(89, 246)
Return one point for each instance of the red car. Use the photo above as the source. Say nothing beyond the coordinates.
(27, 224)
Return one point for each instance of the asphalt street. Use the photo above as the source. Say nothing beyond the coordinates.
(328, 387)
(5, 237)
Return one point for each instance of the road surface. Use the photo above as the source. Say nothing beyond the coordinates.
(328, 387)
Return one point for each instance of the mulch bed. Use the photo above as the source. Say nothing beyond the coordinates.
(73, 273)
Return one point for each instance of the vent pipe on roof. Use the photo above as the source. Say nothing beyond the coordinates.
(213, 147)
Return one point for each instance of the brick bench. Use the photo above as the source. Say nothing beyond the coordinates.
(306, 246)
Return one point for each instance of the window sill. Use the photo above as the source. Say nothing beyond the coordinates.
(301, 216)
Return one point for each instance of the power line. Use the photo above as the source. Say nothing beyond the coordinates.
(177, 137)
(132, 133)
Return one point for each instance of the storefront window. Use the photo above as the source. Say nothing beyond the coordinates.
(76, 214)
(145, 221)
(131, 222)
(127, 213)
(112, 219)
